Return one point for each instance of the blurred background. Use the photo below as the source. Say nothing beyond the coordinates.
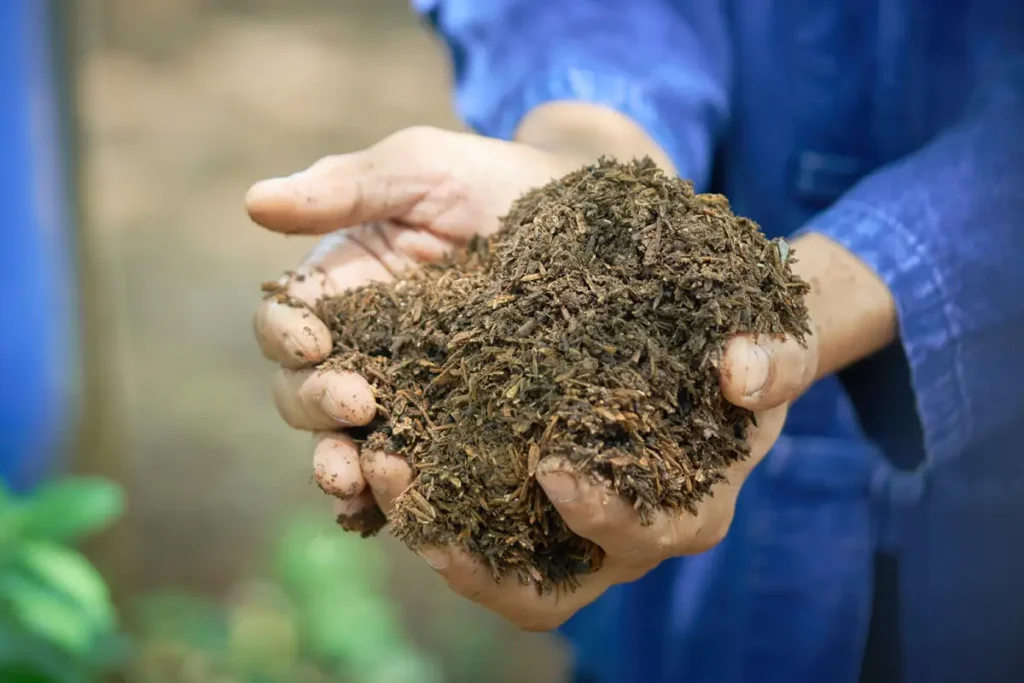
(225, 565)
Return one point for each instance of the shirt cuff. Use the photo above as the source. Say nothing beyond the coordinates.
(928, 333)
(686, 143)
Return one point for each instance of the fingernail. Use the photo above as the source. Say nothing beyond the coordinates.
(436, 558)
(561, 486)
(330, 405)
(758, 369)
(268, 186)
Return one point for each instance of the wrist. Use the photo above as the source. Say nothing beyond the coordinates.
(579, 133)
(852, 312)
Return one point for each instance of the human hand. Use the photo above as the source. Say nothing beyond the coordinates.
(762, 374)
(409, 199)
(415, 196)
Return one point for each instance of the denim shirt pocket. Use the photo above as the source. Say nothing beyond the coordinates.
(818, 178)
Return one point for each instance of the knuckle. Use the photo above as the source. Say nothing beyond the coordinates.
(410, 141)
(674, 533)
(326, 163)
(668, 543)
(714, 530)
(417, 133)
(720, 530)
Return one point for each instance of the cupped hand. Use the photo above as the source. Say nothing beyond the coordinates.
(411, 199)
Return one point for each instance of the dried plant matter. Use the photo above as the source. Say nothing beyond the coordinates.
(587, 329)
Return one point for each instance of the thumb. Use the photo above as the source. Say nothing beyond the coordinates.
(763, 372)
(382, 182)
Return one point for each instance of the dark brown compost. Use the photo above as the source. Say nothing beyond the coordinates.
(587, 329)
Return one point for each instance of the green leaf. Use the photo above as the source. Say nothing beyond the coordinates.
(70, 573)
(71, 509)
(47, 614)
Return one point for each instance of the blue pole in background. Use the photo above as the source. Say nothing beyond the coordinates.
(37, 324)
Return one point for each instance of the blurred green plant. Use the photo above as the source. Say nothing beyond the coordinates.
(57, 622)
(324, 615)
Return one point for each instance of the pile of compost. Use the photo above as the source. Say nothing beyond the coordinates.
(588, 329)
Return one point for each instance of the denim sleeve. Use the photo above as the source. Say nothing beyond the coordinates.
(943, 228)
(665, 65)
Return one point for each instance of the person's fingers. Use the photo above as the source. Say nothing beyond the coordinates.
(381, 182)
(388, 475)
(323, 400)
(395, 248)
(290, 335)
(336, 465)
(762, 372)
(680, 532)
(594, 511)
(418, 244)
(336, 192)
(343, 260)
(293, 336)
(591, 509)
(520, 603)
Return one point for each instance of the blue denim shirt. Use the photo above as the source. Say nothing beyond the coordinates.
(896, 128)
